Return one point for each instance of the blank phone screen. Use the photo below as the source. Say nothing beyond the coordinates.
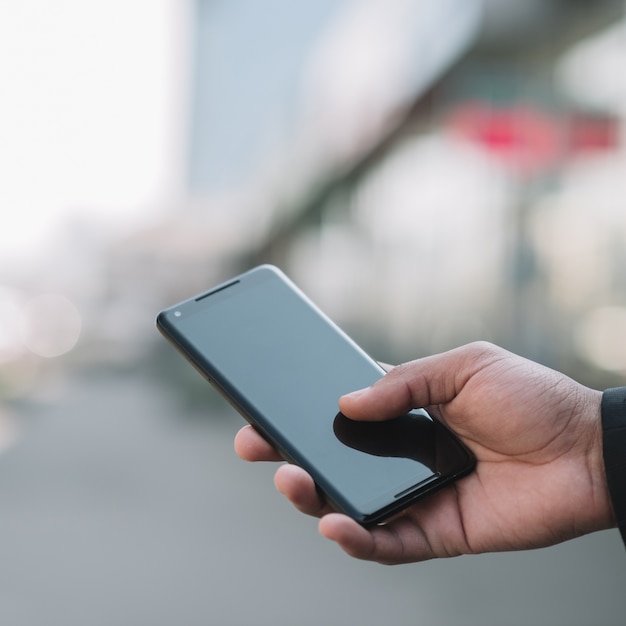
(286, 365)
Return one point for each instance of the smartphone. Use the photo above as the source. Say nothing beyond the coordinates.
(283, 365)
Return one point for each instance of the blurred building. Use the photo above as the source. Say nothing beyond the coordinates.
(430, 173)
(411, 171)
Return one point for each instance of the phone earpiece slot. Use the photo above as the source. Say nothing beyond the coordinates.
(210, 293)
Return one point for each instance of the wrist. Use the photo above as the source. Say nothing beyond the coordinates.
(602, 515)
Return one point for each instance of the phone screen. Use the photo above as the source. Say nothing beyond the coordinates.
(285, 365)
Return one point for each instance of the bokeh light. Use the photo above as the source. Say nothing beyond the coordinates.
(10, 343)
(601, 337)
(50, 325)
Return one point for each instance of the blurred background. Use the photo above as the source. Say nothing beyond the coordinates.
(429, 173)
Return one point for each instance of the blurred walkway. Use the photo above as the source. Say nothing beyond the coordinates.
(116, 509)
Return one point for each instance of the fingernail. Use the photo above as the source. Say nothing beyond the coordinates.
(357, 393)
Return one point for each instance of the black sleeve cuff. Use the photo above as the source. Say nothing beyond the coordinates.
(614, 449)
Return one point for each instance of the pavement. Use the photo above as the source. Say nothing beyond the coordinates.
(122, 505)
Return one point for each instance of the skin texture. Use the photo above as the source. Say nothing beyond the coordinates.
(536, 434)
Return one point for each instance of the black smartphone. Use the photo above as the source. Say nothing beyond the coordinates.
(283, 365)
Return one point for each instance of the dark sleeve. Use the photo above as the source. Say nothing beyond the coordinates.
(614, 449)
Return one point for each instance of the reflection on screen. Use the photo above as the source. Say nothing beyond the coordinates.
(288, 366)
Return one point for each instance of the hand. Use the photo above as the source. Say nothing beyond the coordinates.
(536, 434)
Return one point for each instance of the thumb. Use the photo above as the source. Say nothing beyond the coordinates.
(436, 379)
